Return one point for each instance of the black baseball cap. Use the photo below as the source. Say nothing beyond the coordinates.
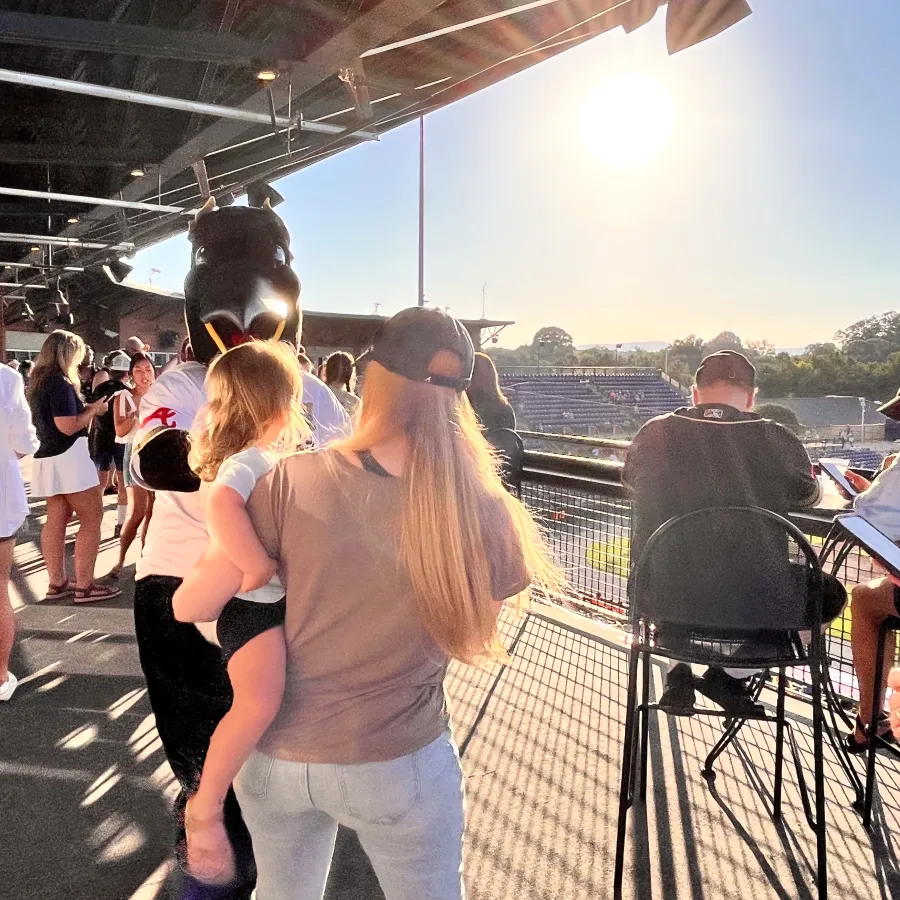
(891, 409)
(726, 365)
(407, 343)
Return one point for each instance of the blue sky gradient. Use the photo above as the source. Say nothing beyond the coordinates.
(773, 211)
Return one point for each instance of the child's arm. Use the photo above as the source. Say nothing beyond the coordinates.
(257, 673)
(232, 532)
(207, 588)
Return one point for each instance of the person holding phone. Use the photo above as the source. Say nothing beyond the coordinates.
(63, 472)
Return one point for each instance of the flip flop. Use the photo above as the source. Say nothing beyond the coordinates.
(95, 592)
(58, 591)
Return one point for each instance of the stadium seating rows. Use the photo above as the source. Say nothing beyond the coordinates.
(579, 404)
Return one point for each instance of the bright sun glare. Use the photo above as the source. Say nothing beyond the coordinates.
(627, 119)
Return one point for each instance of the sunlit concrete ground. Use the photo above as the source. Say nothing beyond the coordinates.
(85, 790)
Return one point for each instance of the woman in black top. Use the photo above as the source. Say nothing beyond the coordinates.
(63, 471)
(491, 407)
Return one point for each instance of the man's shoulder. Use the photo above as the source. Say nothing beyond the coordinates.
(9, 378)
(314, 389)
(182, 382)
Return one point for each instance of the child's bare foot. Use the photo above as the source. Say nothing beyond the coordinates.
(210, 857)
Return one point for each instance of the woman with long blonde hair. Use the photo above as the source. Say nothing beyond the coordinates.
(62, 470)
(397, 549)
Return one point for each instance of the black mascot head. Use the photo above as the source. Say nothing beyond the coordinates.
(240, 285)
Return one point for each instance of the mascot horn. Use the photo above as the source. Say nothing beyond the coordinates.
(240, 287)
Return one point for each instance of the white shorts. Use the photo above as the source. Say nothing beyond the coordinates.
(68, 473)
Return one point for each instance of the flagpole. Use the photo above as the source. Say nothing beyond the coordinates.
(422, 210)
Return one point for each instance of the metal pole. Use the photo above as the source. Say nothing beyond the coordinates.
(862, 421)
(421, 210)
(8, 237)
(94, 201)
(483, 302)
(110, 93)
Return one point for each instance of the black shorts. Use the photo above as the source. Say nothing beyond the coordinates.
(242, 620)
(105, 457)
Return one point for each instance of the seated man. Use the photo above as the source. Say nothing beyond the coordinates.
(717, 453)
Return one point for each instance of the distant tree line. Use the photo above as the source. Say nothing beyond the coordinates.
(862, 361)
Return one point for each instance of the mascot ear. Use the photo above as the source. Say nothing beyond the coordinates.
(267, 204)
(209, 206)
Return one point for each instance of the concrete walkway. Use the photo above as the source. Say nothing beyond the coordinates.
(85, 790)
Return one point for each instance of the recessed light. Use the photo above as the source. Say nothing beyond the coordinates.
(137, 172)
(73, 220)
(35, 249)
(267, 74)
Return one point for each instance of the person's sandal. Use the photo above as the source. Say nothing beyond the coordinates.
(857, 747)
(58, 591)
(96, 592)
(214, 863)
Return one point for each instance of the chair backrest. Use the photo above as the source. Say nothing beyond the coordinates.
(508, 443)
(727, 568)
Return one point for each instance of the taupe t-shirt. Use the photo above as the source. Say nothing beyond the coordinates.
(364, 679)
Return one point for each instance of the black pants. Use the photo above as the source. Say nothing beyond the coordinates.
(189, 693)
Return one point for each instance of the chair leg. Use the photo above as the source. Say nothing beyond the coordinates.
(779, 745)
(835, 736)
(819, 766)
(732, 728)
(626, 785)
(643, 746)
(877, 706)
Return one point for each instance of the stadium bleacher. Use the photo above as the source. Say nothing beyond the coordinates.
(581, 403)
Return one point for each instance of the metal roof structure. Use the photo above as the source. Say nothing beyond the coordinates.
(118, 117)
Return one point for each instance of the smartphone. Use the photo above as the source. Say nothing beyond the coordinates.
(835, 469)
(877, 544)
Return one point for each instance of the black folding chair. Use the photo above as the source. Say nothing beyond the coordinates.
(717, 587)
(512, 452)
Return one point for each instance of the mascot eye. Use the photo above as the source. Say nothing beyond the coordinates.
(280, 256)
(200, 256)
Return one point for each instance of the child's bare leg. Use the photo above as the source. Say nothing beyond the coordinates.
(207, 588)
(257, 673)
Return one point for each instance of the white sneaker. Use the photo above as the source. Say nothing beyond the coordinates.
(8, 688)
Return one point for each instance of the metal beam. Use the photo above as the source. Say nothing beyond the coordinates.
(94, 201)
(8, 237)
(20, 265)
(112, 93)
(81, 155)
(93, 36)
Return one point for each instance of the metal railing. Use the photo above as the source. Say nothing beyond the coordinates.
(586, 514)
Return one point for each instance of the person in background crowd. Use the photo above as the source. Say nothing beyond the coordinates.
(125, 417)
(366, 731)
(135, 345)
(87, 373)
(13, 364)
(718, 453)
(101, 375)
(492, 409)
(25, 371)
(107, 453)
(17, 439)
(62, 470)
(340, 376)
(305, 362)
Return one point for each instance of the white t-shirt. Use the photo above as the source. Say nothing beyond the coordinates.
(328, 419)
(17, 436)
(241, 472)
(177, 536)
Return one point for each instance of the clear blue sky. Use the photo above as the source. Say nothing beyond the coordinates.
(773, 210)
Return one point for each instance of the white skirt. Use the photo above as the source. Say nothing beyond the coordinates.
(68, 473)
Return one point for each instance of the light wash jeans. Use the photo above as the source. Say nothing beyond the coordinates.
(409, 814)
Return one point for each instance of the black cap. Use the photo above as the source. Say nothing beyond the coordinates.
(726, 365)
(891, 409)
(407, 343)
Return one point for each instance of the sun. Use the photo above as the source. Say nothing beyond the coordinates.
(627, 119)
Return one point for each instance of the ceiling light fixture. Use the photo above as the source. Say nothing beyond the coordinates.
(73, 220)
(267, 74)
(137, 172)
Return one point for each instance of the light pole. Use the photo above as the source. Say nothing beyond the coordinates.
(422, 210)
(618, 348)
(862, 420)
